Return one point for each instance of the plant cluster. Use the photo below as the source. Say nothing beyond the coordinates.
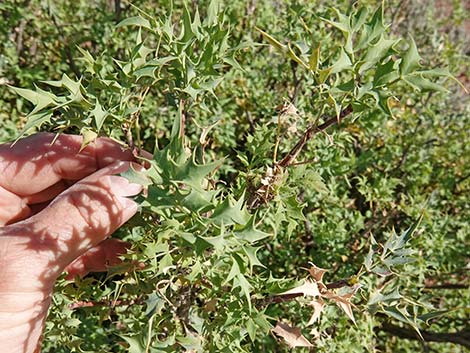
(308, 184)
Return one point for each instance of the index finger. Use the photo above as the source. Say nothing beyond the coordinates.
(37, 162)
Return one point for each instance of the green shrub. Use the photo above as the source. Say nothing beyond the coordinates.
(288, 137)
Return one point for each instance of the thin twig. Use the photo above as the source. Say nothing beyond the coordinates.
(263, 193)
(308, 134)
(117, 10)
(67, 51)
(460, 337)
(297, 82)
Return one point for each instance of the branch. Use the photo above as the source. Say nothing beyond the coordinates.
(311, 131)
(19, 36)
(297, 82)
(447, 286)
(68, 53)
(263, 193)
(108, 303)
(461, 337)
(117, 10)
(275, 299)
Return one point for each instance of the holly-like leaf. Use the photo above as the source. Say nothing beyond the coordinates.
(379, 297)
(273, 41)
(308, 288)
(39, 98)
(411, 59)
(136, 343)
(376, 53)
(318, 305)
(230, 212)
(138, 21)
(292, 336)
(402, 315)
(385, 73)
(136, 177)
(36, 120)
(88, 137)
(250, 233)
(432, 315)
(99, 115)
(317, 273)
(343, 63)
(343, 300)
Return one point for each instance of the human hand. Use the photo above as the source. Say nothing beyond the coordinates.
(48, 226)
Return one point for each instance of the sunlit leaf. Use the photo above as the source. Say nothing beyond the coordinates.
(291, 335)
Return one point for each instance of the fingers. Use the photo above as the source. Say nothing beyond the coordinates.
(36, 163)
(47, 194)
(98, 258)
(85, 214)
(12, 207)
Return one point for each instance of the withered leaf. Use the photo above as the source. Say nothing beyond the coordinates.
(318, 305)
(309, 288)
(317, 272)
(343, 301)
(291, 335)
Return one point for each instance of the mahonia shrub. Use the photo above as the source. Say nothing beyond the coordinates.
(307, 188)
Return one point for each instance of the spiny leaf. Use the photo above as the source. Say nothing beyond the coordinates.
(342, 24)
(359, 18)
(396, 242)
(138, 21)
(273, 41)
(230, 212)
(343, 300)
(193, 174)
(39, 98)
(343, 63)
(99, 115)
(136, 177)
(136, 344)
(411, 58)
(250, 252)
(432, 315)
(291, 335)
(36, 120)
(245, 286)
(420, 83)
(316, 272)
(376, 53)
(385, 73)
(250, 233)
(318, 306)
(308, 288)
(212, 12)
(401, 315)
(187, 30)
(378, 297)
(88, 137)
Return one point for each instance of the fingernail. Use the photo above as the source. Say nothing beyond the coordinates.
(128, 205)
(120, 186)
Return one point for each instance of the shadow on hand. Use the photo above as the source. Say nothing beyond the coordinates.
(44, 244)
(33, 164)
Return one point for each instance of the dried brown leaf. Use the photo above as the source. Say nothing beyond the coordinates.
(343, 301)
(291, 335)
(318, 305)
(309, 288)
(317, 272)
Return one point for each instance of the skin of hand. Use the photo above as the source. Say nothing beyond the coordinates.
(58, 206)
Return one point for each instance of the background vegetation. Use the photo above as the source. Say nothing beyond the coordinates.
(289, 137)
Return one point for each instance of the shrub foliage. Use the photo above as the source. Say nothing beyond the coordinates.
(308, 187)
